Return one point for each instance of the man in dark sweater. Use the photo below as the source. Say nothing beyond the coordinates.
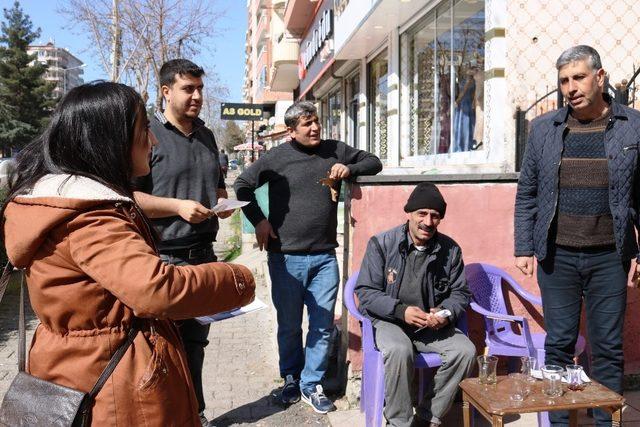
(304, 178)
(576, 209)
(412, 286)
(184, 184)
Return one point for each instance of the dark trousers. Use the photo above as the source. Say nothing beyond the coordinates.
(567, 277)
(194, 335)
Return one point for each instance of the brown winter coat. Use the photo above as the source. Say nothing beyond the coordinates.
(90, 267)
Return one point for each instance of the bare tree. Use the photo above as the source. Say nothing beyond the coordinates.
(151, 32)
(214, 93)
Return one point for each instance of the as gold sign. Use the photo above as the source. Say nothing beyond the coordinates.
(231, 111)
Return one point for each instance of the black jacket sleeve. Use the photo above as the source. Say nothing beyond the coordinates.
(526, 207)
(370, 287)
(361, 162)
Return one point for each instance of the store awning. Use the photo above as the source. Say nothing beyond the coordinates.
(247, 147)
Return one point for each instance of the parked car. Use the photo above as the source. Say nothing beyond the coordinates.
(7, 166)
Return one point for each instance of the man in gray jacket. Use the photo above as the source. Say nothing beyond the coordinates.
(412, 286)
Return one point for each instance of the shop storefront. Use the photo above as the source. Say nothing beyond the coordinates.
(442, 81)
(412, 77)
(431, 87)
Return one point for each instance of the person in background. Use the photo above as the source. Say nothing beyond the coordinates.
(224, 163)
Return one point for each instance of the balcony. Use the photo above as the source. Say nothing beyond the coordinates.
(284, 65)
(298, 15)
(261, 29)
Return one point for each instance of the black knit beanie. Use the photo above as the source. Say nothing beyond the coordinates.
(426, 196)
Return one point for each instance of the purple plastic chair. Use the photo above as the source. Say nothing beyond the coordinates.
(485, 282)
(372, 386)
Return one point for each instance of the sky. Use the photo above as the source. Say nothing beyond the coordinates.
(226, 51)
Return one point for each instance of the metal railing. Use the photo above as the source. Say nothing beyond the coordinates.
(522, 125)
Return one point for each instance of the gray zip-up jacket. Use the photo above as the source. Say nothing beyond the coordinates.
(537, 194)
(383, 265)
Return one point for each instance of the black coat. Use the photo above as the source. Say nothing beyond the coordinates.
(537, 195)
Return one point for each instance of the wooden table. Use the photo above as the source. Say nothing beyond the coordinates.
(493, 401)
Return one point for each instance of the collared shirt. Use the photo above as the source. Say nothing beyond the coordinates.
(183, 167)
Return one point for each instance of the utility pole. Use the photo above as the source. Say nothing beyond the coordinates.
(116, 46)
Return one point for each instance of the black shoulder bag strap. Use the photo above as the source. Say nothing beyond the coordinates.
(108, 370)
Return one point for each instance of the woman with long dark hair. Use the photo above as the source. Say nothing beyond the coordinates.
(91, 268)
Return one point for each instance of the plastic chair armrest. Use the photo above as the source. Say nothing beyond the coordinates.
(497, 316)
(522, 291)
(526, 332)
(529, 296)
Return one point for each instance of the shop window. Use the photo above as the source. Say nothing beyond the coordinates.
(335, 107)
(378, 70)
(353, 105)
(442, 72)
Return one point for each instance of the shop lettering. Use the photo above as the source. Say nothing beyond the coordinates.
(320, 34)
(253, 112)
(236, 111)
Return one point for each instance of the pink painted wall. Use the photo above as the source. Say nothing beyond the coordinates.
(480, 218)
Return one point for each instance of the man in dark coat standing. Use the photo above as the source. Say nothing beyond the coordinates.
(576, 209)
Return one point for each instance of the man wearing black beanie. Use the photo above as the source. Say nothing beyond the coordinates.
(412, 287)
(426, 195)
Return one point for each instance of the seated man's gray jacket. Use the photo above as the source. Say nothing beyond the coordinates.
(537, 195)
(382, 269)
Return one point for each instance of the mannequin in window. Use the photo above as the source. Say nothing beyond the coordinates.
(478, 106)
(464, 114)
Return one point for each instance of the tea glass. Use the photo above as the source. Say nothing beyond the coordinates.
(574, 377)
(487, 367)
(552, 380)
(518, 387)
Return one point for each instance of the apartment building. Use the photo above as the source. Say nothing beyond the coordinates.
(270, 73)
(65, 69)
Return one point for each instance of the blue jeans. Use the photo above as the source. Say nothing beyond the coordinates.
(298, 280)
(599, 276)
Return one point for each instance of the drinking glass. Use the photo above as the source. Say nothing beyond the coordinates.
(487, 366)
(552, 380)
(528, 364)
(574, 377)
(518, 389)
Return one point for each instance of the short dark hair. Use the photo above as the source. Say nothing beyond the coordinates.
(181, 67)
(90, 134)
